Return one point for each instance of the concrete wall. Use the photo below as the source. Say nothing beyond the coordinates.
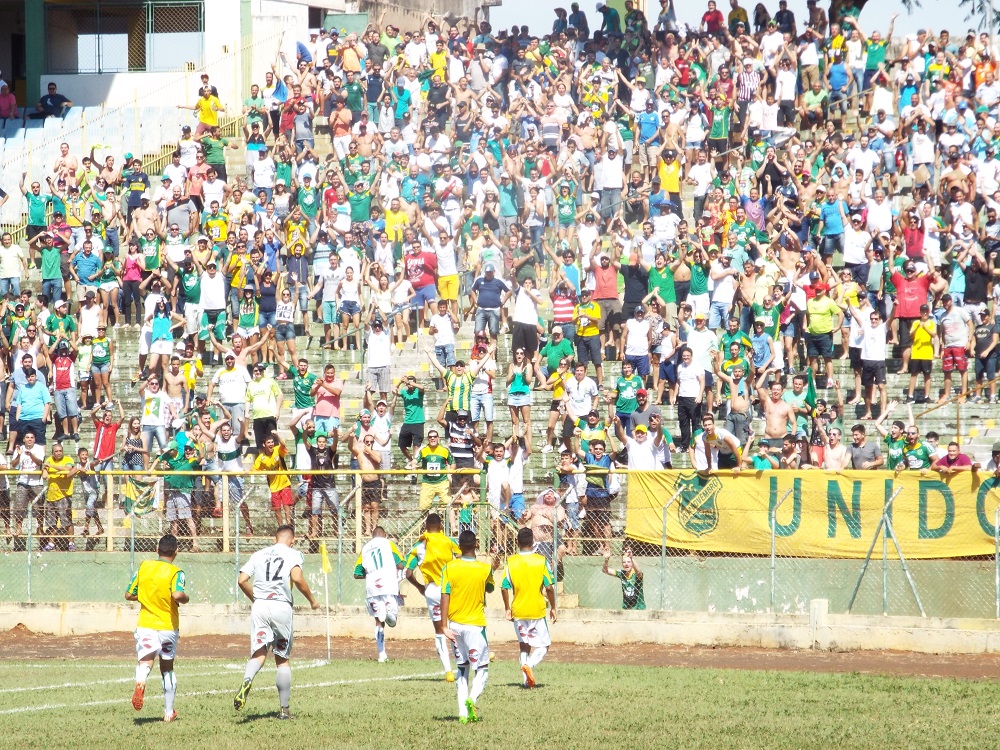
(817, 630)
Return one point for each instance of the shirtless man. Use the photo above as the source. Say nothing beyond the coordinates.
(369, 459)
(241, 350)
(679, 265)
(175, 385)
(462, 93)
(778, 414)
(368, 140)
(111, 174)
(738, 420)
(66, 165)
(146, 217)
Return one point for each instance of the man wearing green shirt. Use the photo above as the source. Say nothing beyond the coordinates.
(302, 385)
(214, 146)
(627, 386)
(354, 97)
(661, 285)
(411, 433)
(60, 322)
(916, 455)
(179, 488)
(37, 204)
(554, 351)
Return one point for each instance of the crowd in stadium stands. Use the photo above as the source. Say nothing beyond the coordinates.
(633, 213)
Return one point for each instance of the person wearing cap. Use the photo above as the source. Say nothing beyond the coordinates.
(823, 317)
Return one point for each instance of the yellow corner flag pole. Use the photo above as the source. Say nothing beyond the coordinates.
(326, 592)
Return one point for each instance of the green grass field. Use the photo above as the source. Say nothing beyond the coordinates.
(404, 704)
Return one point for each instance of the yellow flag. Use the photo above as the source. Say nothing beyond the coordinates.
(327, 568)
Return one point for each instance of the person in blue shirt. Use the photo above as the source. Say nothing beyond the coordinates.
(649, 123)
(831, 217)
(489, 294)
(33, 407)
(86, 265)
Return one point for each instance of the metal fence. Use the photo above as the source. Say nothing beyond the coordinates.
(39, 566)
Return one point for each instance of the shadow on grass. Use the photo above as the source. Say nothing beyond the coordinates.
(446, 718)
(143, 720)
(247, 718)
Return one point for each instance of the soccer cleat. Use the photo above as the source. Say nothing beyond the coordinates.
(383, 658)
(529, 677)
(170, 718)
(471, 708)
(285, 715)
(449, 676)
(463, 719)
(138, 696)
(241, 697)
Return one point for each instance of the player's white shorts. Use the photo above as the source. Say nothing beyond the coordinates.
(470, 645)
(535, 633)
(385, 608)
(432, 595)
(271, 626)
(192, 318)
(162, 643)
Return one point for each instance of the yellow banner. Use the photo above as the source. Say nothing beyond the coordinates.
(816, 513)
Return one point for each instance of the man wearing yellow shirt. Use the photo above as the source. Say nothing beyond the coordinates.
(58, 471)
(208, 108)
(158, 586)
(587, 316)
(527, 577)
(823, 317)
(432, 552)
(465, 582)
(272, 458)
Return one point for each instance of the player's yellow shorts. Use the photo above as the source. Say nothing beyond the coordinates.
(448, 287)
(429, 492)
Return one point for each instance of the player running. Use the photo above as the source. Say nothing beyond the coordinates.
(381, 584)
(465, 582)
(158, 586)
(274, 569)
(432, 552)
(527, 575)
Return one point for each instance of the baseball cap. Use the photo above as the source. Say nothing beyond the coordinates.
(762, 321)
(489, 267)
(461, 413)
(640, 428)
(996, 447)
(642, 392)
(700, 316)
(759, 263)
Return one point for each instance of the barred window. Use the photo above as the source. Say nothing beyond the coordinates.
(109, 36)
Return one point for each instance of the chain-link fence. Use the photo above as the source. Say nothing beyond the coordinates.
(680, 541)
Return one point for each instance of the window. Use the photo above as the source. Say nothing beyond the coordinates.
(117, 37)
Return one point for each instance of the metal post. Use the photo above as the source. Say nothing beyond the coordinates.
(906, 568)
(774, 523)
(885, 567)
(996, 559)
(225, 516)
(27, 545)
(871, 549)
(663, 551)
(131, 541)
(236, 541)
(111, 513)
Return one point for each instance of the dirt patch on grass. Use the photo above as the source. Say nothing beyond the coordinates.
(20, 644)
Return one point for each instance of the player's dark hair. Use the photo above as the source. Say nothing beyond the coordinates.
(167, 546)
(433, 521)
(525, 538)
(378, 531)
(284, 529)
(467, 541)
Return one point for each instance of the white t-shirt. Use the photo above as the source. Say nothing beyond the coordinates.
(379, 349)
(637, 344)
(232, 385)
(445, 334)
(378, 559)
(271, 570)
(687, 380)
(581, 395)
(641, 456)
(873, 342)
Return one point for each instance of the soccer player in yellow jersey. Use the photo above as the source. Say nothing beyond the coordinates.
(432, 552)
(158, 586)
(465, 582)
(527, 575)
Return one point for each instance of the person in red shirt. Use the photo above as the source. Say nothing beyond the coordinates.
(953, 462)
(106, 429)
(421, 272)
(713, 20)
(911, 293)
(67, 400)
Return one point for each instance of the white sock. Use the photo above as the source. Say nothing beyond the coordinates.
(479, 683)
(142, 672)
(523, 658)
(537, 655)
(463, 691)
(283, 679)
(253, 667)
(380, 639)
(441, 644)
(169, 691)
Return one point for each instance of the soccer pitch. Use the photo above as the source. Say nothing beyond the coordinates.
(407, 704)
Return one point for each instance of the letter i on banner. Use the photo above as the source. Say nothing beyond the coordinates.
(325, 558)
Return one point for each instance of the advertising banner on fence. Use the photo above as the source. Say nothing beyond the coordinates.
(816, 513)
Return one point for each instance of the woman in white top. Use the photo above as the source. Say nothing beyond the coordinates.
(349, 296)
(284, 324)
(402, 295)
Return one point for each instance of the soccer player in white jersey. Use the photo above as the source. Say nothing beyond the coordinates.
(379, 564)
(273, 569)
